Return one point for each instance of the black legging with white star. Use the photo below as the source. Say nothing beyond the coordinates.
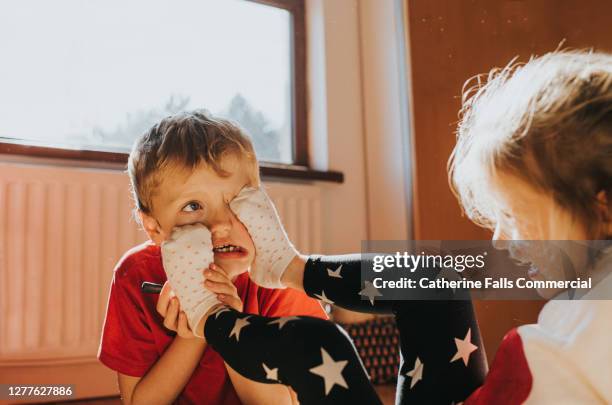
(442, 359)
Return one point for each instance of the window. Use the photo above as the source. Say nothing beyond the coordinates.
(93, 76)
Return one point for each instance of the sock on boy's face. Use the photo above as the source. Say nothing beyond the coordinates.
(273, 250)
(185, 255)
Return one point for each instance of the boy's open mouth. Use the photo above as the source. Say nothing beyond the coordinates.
(229, 251)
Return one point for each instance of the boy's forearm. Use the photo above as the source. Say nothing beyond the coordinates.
(167, 378)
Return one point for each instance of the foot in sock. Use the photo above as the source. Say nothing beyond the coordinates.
(273, 250)
(184, 255)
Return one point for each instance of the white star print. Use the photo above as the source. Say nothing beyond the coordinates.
(331, 371)
(464, 348)
(416, 373)
(335, 273)
(370, 291)
(324, 298)
(271, 373)
(222, 310)
(282, 321)
(240, 323)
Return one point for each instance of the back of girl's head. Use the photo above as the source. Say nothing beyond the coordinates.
(548, 122)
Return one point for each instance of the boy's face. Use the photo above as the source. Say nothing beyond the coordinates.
(202, 196)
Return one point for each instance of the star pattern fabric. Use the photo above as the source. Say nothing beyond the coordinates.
(317, 359)
(331, 371)
(427, 329)
(312, 356)
(416, 373)
(464, 348)
(221, 311)
(338, 281)
(324, 298)
(271, 373)
(238, 325)
(335, 273)
(282, 321)
(370, 291)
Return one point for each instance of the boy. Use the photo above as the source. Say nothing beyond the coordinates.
(184, 171)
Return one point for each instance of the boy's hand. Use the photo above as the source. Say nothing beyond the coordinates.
(273, 250)
(218, 282)
(168, 306)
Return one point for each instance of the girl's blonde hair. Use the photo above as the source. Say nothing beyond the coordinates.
(548, 122)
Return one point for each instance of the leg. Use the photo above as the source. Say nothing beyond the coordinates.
(442, 357)
(314, 357)
(337, 280)
(431, 331)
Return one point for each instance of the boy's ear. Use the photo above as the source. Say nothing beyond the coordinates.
(151, 227)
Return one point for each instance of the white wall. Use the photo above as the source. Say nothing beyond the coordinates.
(358, 123)
(336, 127)
(358, 119)
(385, 114)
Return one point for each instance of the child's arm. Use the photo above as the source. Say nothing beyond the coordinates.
(254, 393)
(169, 375)
(167, 378)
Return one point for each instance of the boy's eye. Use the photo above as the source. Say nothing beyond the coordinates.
(192, 206)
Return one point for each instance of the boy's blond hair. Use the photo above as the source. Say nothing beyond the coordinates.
(185, 140)
(549, 122)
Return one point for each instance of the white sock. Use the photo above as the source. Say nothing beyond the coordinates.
(274, 251)
(185, 255)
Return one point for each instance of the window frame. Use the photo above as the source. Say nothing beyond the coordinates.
(300, 169)
(298, 76)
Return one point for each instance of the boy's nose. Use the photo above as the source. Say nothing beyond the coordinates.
(220, 223)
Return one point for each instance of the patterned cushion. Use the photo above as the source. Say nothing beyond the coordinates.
(377, 342)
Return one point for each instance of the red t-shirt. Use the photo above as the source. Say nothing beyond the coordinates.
(134, 336)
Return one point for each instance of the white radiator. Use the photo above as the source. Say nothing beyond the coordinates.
(61, 233)
(299, 206)
(62, 230)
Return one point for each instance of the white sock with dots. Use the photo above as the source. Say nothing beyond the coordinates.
(185, 255)
(274, 251)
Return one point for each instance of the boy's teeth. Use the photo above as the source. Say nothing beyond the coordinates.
(226, 249)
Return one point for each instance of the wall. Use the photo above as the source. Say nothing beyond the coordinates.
(451, 41)
(386, 121)
(335, 119)
(359, 123)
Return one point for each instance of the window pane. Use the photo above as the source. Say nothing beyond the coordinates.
(96, 74)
